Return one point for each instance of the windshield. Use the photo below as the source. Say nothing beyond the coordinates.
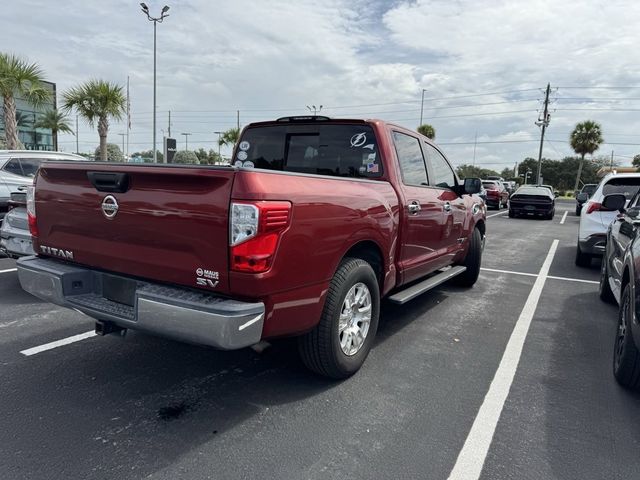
(533, 191)
(489, 185)
(341, 150)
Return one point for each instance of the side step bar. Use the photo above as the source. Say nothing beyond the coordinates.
(413, 291)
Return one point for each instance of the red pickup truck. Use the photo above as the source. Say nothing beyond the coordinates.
(315, 221)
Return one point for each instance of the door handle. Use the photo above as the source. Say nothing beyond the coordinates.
(446, 207)
(414, 207)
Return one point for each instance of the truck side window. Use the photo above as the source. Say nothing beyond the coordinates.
(411, 160)
(443, 176)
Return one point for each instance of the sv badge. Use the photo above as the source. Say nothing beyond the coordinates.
(207, 282)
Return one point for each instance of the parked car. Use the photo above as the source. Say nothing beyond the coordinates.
(620, 282)
(550, 187)
(596, 217)
(17, 170)
(532, 200)
(317, 220)
(508, 187)
(587, 190)
(497, 195)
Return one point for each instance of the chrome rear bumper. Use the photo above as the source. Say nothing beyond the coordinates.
(172, 312)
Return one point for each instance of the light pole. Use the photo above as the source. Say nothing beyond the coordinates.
(314, 110)
(122, 135)
(219, 133)
(155, 21)
(186, 140)
(422, 105)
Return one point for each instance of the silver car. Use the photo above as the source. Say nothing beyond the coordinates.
(17, 170)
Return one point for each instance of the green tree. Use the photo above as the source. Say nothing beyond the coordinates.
(472, 171)
(114, 154)
(149, 154)
(506, 173)
(229, 137)
(636, 161)
(97, 101)
(55, 121)
(427, 130)
(185, 156)
(210, 157)
(19, 77)
(585, 138)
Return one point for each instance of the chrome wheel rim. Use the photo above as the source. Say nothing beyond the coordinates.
(355, 319)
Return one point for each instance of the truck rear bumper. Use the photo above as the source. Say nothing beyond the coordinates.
(171, 312)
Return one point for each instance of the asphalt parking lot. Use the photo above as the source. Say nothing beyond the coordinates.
(436, 397)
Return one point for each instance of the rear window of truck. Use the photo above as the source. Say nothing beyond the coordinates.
(338, 150)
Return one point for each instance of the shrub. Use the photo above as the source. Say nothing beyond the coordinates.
(114, 154)
(185, 156)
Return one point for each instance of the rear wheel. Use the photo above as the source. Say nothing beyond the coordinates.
(604, 289)
(338, 346)
(578, 210)
(472, 261)
(626, 357)
(511, 213)
(582, 259)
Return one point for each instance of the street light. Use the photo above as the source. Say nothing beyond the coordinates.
(186, 140)
(155, 21)
(422, 105)
(314, 110)
(122, 135)
(219, 133)
(526, 176)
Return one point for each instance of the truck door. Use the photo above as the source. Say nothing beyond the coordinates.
(422, 213)
(442, 178)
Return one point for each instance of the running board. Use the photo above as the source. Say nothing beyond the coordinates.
(412, 292)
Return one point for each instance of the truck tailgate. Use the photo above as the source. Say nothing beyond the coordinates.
(171, 223)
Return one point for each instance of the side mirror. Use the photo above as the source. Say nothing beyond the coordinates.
(582, 197)
(472, 185)
(615, 201)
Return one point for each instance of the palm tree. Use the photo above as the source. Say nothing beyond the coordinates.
(427, 130)
(585, 138)
(229, 137)
(18, 77)
(55, 121)
(97, 101)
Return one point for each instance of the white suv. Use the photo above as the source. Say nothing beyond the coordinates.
(595, 219)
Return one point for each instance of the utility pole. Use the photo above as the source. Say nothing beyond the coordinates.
(515, 170)
(475, 142)
(238, 112)
(77, 142)
(544, 122)
(169, 126)
(219, 133)
(128, 118)
(422, 105)
(611, 163)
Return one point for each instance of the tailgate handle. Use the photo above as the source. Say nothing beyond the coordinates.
(109, 182)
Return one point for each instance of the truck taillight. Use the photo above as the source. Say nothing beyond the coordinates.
(254, 233)
(31, 210)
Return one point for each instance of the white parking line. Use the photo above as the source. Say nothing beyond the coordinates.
(574, 280)
(58, 343)
(496, 214)
(509, 271)
(474, 452)
(8, 270)
(564, 217)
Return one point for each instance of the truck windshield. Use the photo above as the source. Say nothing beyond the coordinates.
(340, 150)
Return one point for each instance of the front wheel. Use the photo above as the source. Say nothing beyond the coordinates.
(472, 261)
(511, 213)
(626, 357)
(338, 346)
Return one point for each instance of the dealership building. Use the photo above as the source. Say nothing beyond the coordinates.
(32, 138)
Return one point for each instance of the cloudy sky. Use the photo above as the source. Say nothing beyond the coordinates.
(483, 66)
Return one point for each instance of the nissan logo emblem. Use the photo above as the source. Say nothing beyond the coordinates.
(109, 206)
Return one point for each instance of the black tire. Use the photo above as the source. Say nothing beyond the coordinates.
(626, 357)
(551, 215)
(472, 261)
(512, 214)
(320, 348)
(578, 210)
(582, 259)
(604, 289)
